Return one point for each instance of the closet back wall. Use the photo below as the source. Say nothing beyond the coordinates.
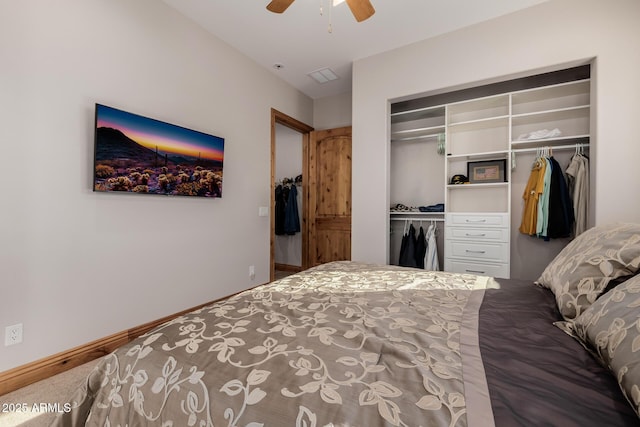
(76, 266)
(418, 173)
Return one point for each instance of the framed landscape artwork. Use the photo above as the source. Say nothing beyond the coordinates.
(136, 154)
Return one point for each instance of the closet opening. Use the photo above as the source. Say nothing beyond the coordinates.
(289, 191)
(472, 151)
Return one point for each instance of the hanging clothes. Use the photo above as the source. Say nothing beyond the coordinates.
(531, 195)
(287, 207)
(421, 248)
(543, 201)
(561, 215)
(281, 204)
(408, 248)
(291, 218)
(548, 206)
(431, 258)
(419, 251)
(578, 183)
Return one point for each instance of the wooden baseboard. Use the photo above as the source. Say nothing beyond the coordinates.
(30, 373)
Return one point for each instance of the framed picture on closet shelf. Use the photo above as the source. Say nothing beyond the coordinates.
(487, 171)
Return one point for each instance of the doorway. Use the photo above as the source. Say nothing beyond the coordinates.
(289, 162)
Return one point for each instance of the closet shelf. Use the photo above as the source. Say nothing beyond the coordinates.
(416, 213)
(468, 186)
(419, 218)
(479, 155)
(435, 129)
(552, 112)
(414, 138)
(479, 123)
(566, 94)
(533, 143)
(433, 111)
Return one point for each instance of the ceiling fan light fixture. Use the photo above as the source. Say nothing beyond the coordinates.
(361, 9)
(323, 75)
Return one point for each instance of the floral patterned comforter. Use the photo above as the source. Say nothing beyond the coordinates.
(342, 344)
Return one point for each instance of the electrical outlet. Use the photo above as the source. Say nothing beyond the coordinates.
(13, 334)
(252, 272)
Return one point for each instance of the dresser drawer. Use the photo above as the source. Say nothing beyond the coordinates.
(478, 233)
(493, 270)
(498, 252)
(478, 220)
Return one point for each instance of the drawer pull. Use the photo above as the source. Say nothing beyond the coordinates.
(474, 252)
(475, 271)
(476, 220)
(475, 235)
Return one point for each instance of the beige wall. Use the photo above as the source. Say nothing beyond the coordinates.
(548, 36)
(76, 265)
(332, 111)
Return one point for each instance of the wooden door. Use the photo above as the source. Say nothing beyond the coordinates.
(329, 196)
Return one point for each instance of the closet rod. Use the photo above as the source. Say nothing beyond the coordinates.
(557, 147)
(416, 138)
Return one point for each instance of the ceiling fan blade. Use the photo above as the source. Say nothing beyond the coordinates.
(279, 6)
(361, 9)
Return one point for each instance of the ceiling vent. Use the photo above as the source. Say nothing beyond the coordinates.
(323, 76)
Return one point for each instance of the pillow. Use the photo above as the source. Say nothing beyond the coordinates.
(581, 271)
(611, 329)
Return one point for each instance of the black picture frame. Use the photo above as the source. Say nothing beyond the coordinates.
(487, 171)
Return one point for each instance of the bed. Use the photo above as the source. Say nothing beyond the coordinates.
(356, 344)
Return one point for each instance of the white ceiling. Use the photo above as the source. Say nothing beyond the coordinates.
(299, 38)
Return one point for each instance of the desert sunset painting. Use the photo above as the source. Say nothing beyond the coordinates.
(141, 155)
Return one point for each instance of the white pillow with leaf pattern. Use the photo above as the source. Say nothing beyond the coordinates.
(580, 273)
(611, 329)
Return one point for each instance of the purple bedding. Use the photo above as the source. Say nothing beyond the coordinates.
(537, 375)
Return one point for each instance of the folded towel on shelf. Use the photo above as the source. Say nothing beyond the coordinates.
(540, 134)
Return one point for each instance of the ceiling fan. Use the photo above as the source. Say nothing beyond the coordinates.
(361, 9)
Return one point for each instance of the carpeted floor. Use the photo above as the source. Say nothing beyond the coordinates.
(281, 274)
(38, 400)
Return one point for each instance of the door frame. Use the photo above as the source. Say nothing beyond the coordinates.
(278, 117)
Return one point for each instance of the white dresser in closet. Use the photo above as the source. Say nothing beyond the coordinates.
(477, 243)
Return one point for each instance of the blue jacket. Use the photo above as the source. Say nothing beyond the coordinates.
(291, 218)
